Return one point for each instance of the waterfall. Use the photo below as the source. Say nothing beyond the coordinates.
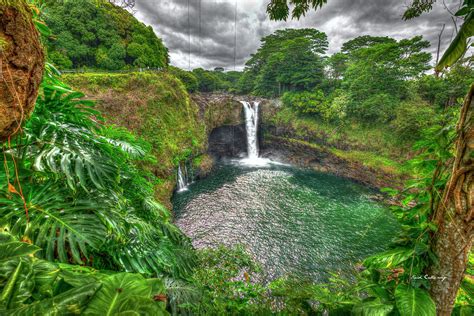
(182, 178)
(251, 122)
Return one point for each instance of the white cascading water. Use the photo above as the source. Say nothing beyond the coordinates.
(182, 179)
(251, 122)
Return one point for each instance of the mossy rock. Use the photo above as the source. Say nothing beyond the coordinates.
(22, 64)
(155, 106)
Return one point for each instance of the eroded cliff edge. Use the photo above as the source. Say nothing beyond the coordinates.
(206, 127)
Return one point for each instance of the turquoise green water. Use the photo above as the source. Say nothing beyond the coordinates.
(292, 221)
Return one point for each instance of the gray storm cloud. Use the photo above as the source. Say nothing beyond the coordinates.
(203, 34)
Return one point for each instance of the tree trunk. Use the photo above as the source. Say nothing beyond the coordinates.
(21, 65)
(453, 240)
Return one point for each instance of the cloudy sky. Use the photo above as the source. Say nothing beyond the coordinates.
(210, 32)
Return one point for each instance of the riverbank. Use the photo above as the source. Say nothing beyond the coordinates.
(156, 107)
(368, 156)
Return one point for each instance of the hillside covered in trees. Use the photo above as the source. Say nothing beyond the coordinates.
(85, 35)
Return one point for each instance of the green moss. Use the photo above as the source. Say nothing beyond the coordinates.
(3, 44)
(376, 139)
(20, 5)
(372, 160)
(203, 163)
(297, 142)
(157, 107)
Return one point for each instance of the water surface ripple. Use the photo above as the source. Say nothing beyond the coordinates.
(292, 221)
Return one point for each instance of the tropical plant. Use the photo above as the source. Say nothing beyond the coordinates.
(287, 60)
(68, 187)
(459, 44)
(31, 286)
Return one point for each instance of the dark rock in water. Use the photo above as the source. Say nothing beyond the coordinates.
(228, 141)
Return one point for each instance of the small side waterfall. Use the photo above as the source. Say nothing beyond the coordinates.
(251, 122)
(183, 179)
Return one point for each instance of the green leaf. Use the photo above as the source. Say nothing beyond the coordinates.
(78, 276)
(389, 259)
(463, 310)
(181, 294)
(122, 294)
(372, 308)
(459, 45)
(414, 301)
(463, 11)
(15, 249)
(71, 302)
(19, 286)
(56, 225)
(45, 274)
(467, 285)
(42, 28)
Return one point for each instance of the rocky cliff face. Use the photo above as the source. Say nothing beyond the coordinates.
(224, 118)
(290, 144)
(206, 127)
(179, 126)
(156, 107)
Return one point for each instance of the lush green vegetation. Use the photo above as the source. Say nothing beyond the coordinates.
(300, 49)
(200, 80)
(148, 101)
(74, 188)
(373, 96)
(425, 214)
(82, 231)
(87, 34)
(32, 286)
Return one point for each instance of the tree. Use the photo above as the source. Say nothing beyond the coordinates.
(187, 78)
(208, 81)
(305, 102)
(21, 65)
(454, 216)
(376, 75)
(101, 36)
(364, 41)
(445, 91)
(337, 64)
(287, 60)
(280, 10)
(453, 240)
